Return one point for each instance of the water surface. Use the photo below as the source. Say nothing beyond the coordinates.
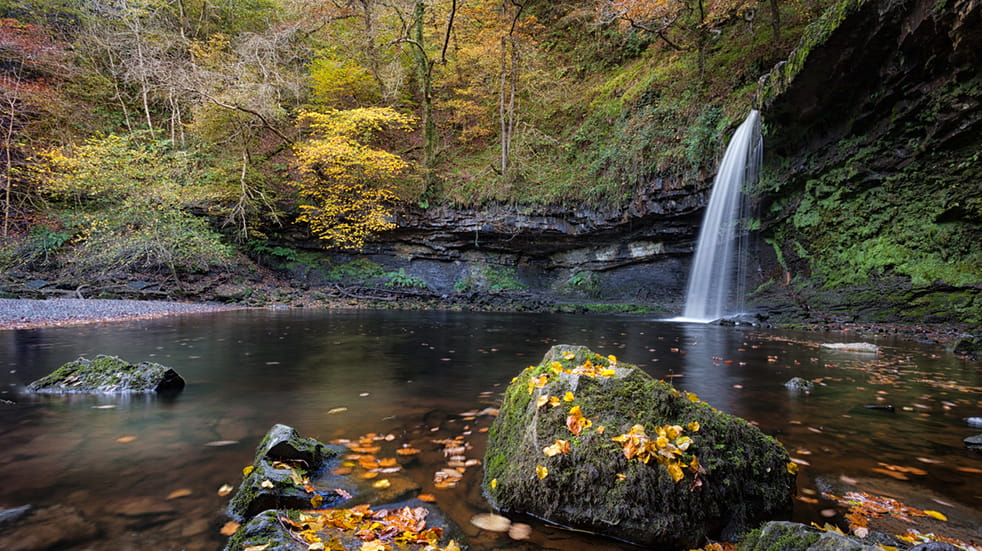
(331, 375)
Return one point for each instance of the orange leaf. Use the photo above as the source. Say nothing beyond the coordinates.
(230, 528)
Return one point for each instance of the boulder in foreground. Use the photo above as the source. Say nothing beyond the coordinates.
(590, 443)
(108, 374)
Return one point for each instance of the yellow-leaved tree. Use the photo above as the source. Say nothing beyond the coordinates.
(348, 184)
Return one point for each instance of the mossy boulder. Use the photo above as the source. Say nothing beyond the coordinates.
(708, 474)
(276, 478)
(108, 374)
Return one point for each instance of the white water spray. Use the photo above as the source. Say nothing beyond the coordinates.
(718, 276)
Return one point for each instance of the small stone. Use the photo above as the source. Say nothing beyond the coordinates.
(799, 384)
(974, 443)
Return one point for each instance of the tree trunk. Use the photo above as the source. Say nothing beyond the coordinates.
(425, 73)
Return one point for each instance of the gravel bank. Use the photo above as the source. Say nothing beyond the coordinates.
(28, 313)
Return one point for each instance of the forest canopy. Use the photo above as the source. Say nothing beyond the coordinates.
(247, 110)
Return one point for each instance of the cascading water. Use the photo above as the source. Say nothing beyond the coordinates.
(718, 276)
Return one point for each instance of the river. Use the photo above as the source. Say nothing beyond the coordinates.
(147, 470)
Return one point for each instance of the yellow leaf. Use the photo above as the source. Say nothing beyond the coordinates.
(494, 483)
(316, 501)
(675, 471)
(612, 359)
(560, 446)
(374, 545)
(691, 396)
(693, 426)
(935, 514)
(792, 467)
(452, 546)
(568, 397)
(556, 367)
(229, 528)
(247, 469)
(541, 401)
(541, 472)
(316, 546)
(382, 484)
(554, 401)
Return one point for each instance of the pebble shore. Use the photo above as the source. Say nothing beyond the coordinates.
(31, 313)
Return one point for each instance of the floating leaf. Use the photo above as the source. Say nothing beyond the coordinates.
(225, 490)
(491, 522)
(429, 498)
(183, 492)
(333, 411)
(125, 439)
(229, 528)
(407, 451)
(382, 484)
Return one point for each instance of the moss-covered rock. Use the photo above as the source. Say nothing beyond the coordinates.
(711, 475)
(276, 478)
(108, 374)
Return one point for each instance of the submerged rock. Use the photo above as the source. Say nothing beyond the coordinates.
(791, 536)
(55, 527)
(799, 384)
(974, 442)
(108, 374)
(968, 348)
(586, 442)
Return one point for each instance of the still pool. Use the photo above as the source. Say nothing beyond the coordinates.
(146, 470)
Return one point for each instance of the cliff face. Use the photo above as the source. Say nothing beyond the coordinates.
(633, 252)
(871, 194)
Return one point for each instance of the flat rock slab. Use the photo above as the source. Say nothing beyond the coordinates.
(108, 374)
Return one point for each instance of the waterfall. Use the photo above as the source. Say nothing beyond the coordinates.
(717, 281)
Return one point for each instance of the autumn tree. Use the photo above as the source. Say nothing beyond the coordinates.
(129, 203)
(31, 64)
(348, 184)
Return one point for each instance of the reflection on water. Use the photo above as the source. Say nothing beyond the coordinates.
(118, 458)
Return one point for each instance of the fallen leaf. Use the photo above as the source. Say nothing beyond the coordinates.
(266, 483)
(183, 492)
(125, 439)
(541, 472)
(936, 514)
(225, 490)
(229, 528)
(429, 498)
(382, 484)
(333, 411)
(256, 547)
